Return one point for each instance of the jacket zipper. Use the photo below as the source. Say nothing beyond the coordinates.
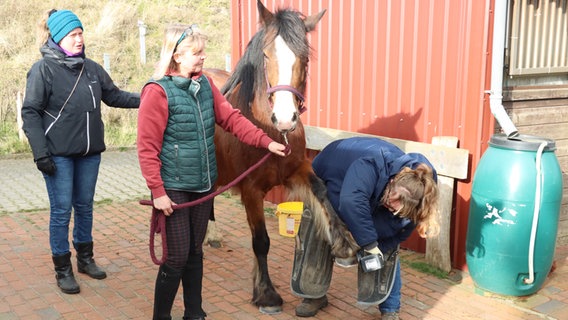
(204, 135)
(88, 122)
(88, 136)
(93, 97)
(176, 148)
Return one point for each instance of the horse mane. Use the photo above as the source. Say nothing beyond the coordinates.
(249, 72)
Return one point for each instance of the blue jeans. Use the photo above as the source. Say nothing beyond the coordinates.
(392, 303)
(71, 187)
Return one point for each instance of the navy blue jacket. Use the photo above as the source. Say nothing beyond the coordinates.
(356, 171)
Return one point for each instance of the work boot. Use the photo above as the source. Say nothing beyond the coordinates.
(310, 307)
(64, 274)
(389, 316)
(86, 263)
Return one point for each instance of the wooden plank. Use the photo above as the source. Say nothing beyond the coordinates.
(450, 162)
(554, 131)
(537, 116)
(438, 248)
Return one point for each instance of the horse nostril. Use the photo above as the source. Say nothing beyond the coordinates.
(295, 117)
(285, 126)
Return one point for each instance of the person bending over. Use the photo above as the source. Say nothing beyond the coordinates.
(382, 195)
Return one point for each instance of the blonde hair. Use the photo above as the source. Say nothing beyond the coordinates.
(42, 29)
(419, 196)
(194, 42)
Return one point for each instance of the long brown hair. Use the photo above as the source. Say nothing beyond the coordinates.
(419, 198)
(42, 29)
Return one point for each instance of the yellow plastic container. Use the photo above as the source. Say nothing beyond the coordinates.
(289, 216)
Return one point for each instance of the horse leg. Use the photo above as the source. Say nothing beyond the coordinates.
(213, 236)
(342, 243)
(264, 294)
(309, 188)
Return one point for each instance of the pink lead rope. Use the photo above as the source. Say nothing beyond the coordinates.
(158, 220)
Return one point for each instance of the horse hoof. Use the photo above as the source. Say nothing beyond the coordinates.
(270, 309)
(215, 244)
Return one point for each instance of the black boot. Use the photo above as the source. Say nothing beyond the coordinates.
(64, 274)
(167, 284)
(192, 284)
(86, 263)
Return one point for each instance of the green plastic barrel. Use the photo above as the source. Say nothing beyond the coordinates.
(513, 217)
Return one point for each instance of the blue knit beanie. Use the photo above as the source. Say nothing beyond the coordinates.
(61, 22)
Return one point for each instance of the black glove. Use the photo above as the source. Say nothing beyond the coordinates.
(46, 165)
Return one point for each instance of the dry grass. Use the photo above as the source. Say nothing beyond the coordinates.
(111, 27)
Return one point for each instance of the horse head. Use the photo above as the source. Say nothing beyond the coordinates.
(269, 80)
(286, 56)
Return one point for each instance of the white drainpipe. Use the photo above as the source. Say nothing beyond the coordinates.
(496, 92)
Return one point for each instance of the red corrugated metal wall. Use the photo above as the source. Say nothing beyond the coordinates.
(403, 69)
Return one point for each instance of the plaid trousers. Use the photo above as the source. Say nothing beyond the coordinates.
(186, 228)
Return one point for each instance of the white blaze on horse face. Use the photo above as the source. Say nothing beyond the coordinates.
(284, 109)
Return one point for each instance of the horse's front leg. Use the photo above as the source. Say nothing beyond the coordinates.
(264, 294)
(306, 186)
(342, 243)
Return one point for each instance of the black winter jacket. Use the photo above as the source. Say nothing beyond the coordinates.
(77, 128)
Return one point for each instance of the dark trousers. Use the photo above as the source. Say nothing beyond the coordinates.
(185, 231)
(186, 228)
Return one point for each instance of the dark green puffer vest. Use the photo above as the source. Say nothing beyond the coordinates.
(188, 151)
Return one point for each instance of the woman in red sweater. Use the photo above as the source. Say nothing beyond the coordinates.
(179, 108)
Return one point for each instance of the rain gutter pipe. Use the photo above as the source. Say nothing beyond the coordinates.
(496, 92)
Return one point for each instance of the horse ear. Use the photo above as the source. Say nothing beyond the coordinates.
(311, 21)
(265, 16)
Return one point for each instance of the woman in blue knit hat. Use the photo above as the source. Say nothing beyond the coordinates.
(63, 123)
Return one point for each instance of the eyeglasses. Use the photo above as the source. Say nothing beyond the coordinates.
(393, 211)
(388, 205)
(187, 32)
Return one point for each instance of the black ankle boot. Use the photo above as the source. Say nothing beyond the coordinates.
(86, 263)
(64, 274)
(192, 284)
(167, 284)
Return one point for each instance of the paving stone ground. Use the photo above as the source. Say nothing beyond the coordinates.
(121, 232)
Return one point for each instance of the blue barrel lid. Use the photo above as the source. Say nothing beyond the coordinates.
(521, 142)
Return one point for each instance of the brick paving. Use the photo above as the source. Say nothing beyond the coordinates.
(121, 229)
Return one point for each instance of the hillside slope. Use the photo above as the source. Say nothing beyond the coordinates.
(111, 27)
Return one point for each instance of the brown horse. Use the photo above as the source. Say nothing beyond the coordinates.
(268, 86)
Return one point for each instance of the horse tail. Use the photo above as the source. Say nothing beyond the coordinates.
(328, 224)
